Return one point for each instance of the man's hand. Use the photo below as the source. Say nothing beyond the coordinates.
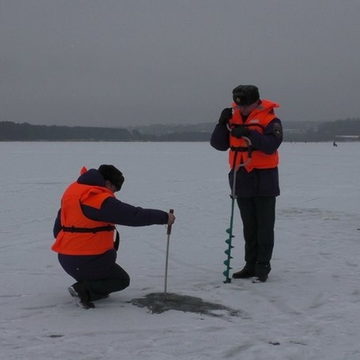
(225, 116)
(171, 218)
(240, 131)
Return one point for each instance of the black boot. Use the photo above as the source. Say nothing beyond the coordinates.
(246, 272)
(80, 293)
(262, 272)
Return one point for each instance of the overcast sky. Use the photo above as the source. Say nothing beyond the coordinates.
(122, 62)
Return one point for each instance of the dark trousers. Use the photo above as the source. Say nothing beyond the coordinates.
(99, 273)
(258, 217)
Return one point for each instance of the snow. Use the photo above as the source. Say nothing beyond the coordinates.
(308, 309)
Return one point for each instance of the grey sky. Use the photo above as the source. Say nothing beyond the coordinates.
(117, 62)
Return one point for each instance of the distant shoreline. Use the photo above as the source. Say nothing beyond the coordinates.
(347, 130)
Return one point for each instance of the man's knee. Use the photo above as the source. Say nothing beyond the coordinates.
(123, 282)
(126, 281)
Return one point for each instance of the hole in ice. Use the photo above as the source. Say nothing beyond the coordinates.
(159, 302)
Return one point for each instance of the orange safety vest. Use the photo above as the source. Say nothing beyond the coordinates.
(241, 152)
(80, 235)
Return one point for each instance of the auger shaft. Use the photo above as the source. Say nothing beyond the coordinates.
(233, 198)
(230, 229)
(229, 242)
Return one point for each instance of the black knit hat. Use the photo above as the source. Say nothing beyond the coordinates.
(245, 95)
(112, 174)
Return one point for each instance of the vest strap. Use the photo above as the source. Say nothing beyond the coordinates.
(247, 125)
(241, 148)
(94, 230)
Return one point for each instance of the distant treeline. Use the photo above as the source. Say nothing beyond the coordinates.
(340, 130)
(10, 131)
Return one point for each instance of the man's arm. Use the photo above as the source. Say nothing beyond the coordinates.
(220, 138)
(270, 140)
(117, 212)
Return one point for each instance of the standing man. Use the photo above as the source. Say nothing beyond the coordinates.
(84, 231)
(252, 132)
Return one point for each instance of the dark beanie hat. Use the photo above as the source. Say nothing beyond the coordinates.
(245, 95)
(112, 174)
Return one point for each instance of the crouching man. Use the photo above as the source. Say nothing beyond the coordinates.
(85, 233)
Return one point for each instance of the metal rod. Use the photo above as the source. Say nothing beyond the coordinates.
(168, 232)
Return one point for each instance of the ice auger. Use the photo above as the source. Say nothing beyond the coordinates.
(229, 230)
(228, 241)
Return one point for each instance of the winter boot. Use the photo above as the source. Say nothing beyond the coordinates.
(262, 272)
(246, 272)
(81, 295)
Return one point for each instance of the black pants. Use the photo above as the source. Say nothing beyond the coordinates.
(258, 217)
(99, 273)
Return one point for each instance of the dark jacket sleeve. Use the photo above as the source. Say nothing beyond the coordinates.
(220, 138)
(117, 212)
(270, 140)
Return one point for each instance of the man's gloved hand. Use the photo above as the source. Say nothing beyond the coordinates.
(225, 116)
(240, 131)
(171, 218)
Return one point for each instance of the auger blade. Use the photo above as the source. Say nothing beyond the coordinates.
(228, 252)
(227, 263)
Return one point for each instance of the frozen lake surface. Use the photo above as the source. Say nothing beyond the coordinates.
(308, 309)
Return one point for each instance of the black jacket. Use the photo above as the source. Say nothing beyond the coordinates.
(258, 182)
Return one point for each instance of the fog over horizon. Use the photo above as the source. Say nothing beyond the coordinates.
(117, 63)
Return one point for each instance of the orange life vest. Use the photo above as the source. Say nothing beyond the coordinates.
(81, 235)
(241, 153)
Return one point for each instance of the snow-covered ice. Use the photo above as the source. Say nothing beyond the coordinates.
(308, 309)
